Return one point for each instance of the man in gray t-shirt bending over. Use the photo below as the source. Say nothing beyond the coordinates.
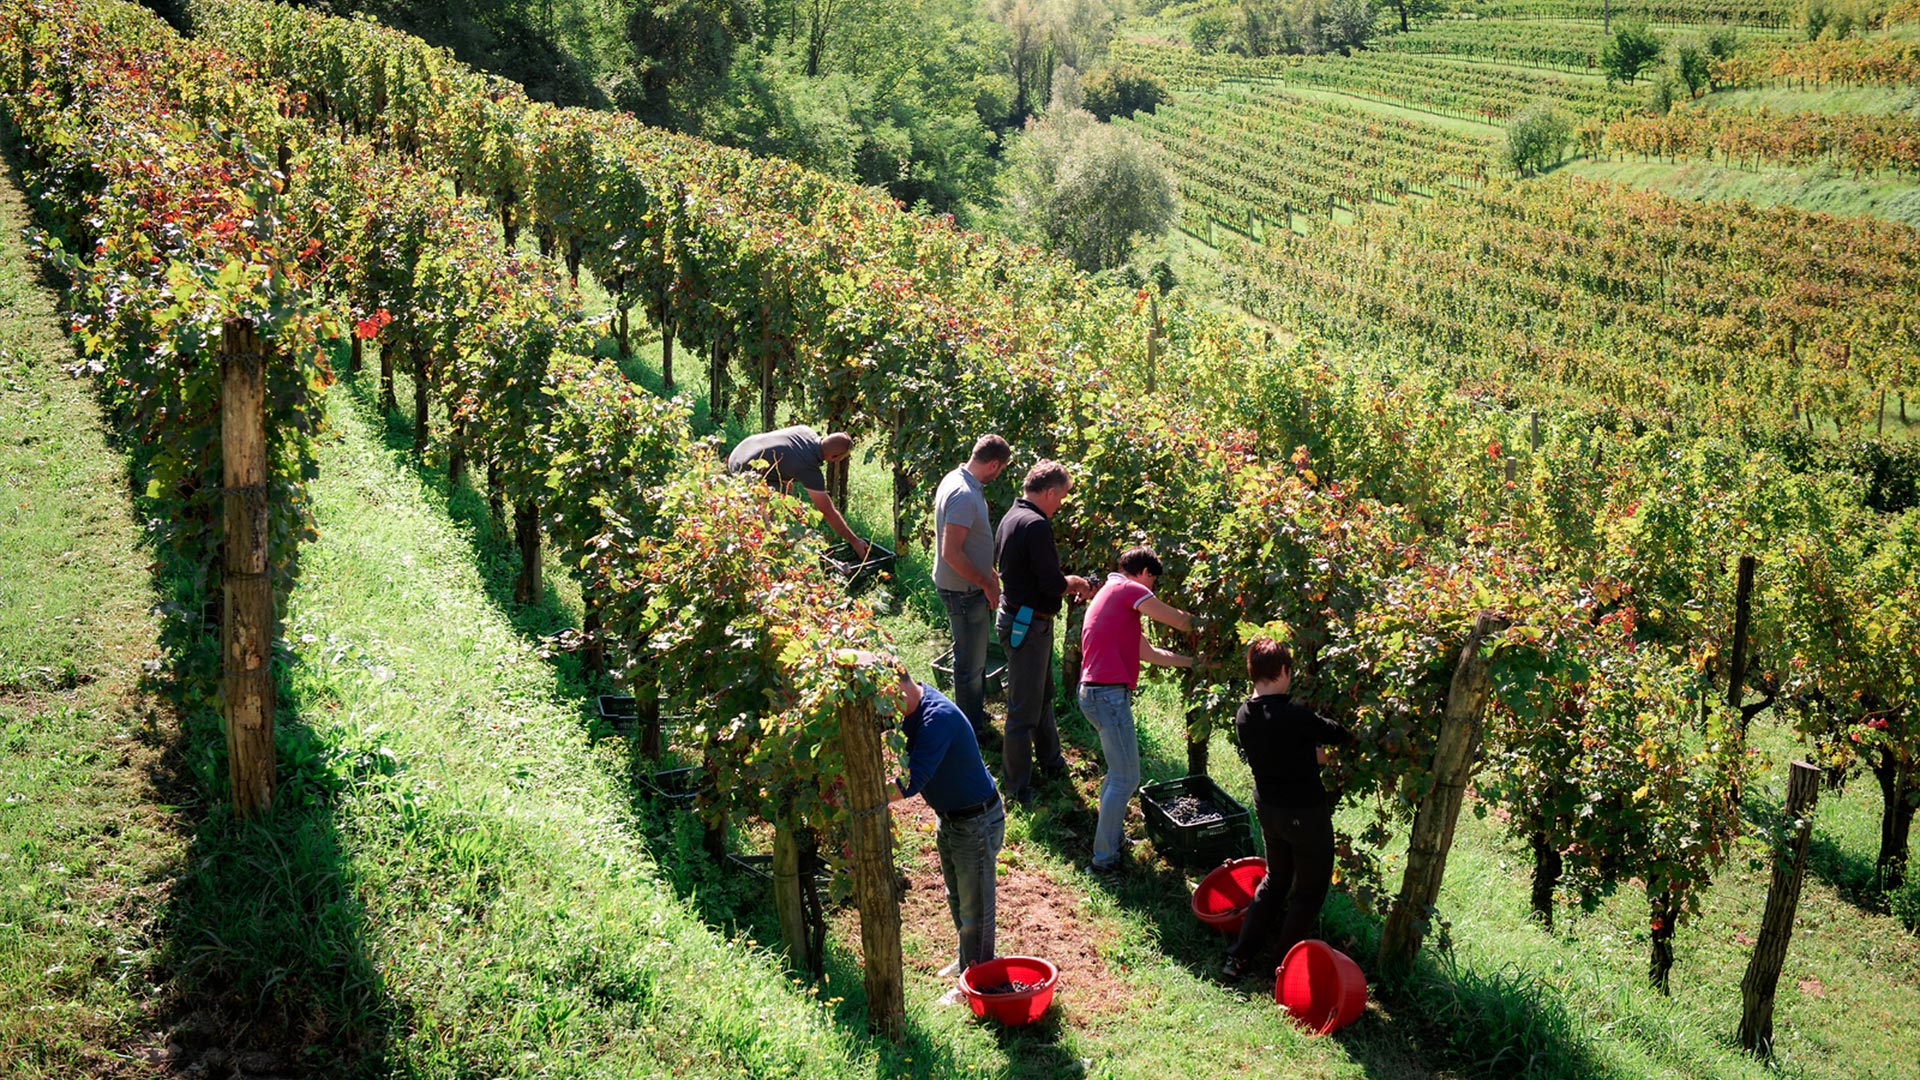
(963, 571)
(794, 455)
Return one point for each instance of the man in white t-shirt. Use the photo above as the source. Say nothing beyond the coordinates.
(963, 571)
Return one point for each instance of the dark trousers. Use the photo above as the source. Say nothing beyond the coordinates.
(1032, 736)
(1299, 869)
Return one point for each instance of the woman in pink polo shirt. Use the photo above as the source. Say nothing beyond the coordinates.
(1112, 644)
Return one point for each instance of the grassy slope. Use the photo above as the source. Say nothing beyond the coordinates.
(86, 848)
(1819, 189)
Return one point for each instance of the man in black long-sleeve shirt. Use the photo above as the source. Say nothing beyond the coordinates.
(1031, 588)
(1282, 744)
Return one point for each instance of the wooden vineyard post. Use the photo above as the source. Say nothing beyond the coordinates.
(1742, 617)
(1880, 415)
(790, 898)
(902, 487)
(246, 585)
(356, 354)
(1434, 823)
(1533, 431)
(1153, 341)
(387, 403)
(1199, 729)
(419, 400)
(646, 706)
(456, 454)
(1070, 649)
(593, 654)
(873, 888)
(526, 534)
(1776, 925)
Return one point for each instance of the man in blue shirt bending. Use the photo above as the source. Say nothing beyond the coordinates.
(944, 767)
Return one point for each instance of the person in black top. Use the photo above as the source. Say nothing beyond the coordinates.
(1283, 746)
(1031, 588)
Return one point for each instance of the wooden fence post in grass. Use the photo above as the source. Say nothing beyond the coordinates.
(526, 534)
(388, 405)
(456, 454)
(873, 883)
(1199, 730)
(1742, 617)
(246, 582)
(789, 898)
(420, 363)
(1153, 342)
(1776, 925)
(902, 488)
(1434, 823)
(356, 355)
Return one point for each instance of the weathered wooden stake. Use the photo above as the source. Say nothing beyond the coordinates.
(456, 454)
(1533, 431)
(387, 403)
(873, 886)
(420, 363)
(1776, 925)
(787, 905)
(1433, 824)
(1199, 729)
(356, 355)
(593, 654)
(1880, 415)
(789, 899)
(902, 490)
(526, 534)
(1153, 340)
(666, 356)
(246, 582)
(1742, 617)
(1547, 867)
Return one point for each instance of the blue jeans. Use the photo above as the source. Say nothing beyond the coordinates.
(968, 849)
(1110, 710)
(971, 623)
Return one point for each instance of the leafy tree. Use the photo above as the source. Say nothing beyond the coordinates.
(1631, 51)
(1537, 138)
(1122, 90)
(1208, 30)
(679, 55)
(1692, 65)
(1085, 189)
(1414, 9)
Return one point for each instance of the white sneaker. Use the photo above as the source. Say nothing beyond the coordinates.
(955, 996)
(951, 970)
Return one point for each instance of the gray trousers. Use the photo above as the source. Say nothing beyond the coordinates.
(1032, 736)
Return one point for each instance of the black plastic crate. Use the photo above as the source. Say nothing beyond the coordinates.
(860, 574)
(1202, 843)
(678, 786)
(996, 669)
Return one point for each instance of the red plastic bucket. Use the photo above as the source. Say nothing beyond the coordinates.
(1321, 987)
(1019, 1007)
(1222, 896)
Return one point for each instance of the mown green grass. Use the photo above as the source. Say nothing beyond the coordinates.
(1818, 188)
(1871, 100)
(86, 846)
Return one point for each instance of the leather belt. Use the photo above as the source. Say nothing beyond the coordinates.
(966, 812)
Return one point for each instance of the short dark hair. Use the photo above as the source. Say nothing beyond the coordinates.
(1134, 560)
(1267, 658)
(991, 449)
(1046, 476)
